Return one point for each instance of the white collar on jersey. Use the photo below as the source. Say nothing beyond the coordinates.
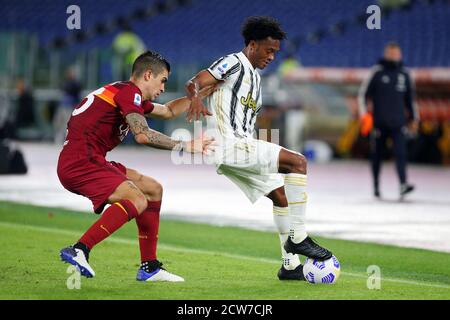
(245, 60)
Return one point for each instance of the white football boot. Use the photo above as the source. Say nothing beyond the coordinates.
(153, 271)
(77, 258)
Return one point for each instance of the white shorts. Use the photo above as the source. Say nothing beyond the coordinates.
(251, 164)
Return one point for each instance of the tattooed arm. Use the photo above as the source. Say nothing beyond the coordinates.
(144, 135)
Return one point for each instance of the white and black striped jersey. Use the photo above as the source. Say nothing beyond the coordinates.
(237, 101)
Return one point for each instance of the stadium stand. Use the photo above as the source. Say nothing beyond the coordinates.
(421, 28)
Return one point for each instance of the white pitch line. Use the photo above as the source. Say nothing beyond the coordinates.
(207, 252)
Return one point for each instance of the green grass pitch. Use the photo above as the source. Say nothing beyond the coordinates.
(216, 262)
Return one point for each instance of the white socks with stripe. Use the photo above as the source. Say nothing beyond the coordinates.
(295, 188)
(282, 221)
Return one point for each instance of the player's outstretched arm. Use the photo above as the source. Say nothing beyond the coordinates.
(193, 87)
(144, 135)
(174, 108)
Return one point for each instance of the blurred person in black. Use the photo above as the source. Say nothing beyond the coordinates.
(25, 116)
(71, 97)
(391, 89)
(6, 117)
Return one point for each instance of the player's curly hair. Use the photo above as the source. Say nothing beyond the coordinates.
(261, 27)
(149, 60)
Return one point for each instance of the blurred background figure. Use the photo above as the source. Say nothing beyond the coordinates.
(70, 98)
(25, 117)
(127, 46)
(6, 118)
(288, 64)
(294, 116)
(12, 160)
(391, 89)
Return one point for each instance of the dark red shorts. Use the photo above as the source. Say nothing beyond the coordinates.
(93, 177)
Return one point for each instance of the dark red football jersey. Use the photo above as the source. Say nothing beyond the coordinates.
(97, 124)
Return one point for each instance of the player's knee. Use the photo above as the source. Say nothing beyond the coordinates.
(299, 164)
(278, 197)
(280, 200)
(158, 190)
(153, 190)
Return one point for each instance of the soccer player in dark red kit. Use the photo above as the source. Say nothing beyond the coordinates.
(97, 125)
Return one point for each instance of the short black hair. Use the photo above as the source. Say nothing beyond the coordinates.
(149, 60)
(261, 27)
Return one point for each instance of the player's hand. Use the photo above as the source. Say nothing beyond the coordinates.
(208, 90)
(209, 145)
(413, 127)
(366, 124)
(204, 145)
(197, 107)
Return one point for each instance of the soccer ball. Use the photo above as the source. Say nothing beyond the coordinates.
(327, 271)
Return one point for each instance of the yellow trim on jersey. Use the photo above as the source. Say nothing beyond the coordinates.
(243, 146)
(108, 96)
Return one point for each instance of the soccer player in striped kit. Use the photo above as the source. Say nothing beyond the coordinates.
(257, 167)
